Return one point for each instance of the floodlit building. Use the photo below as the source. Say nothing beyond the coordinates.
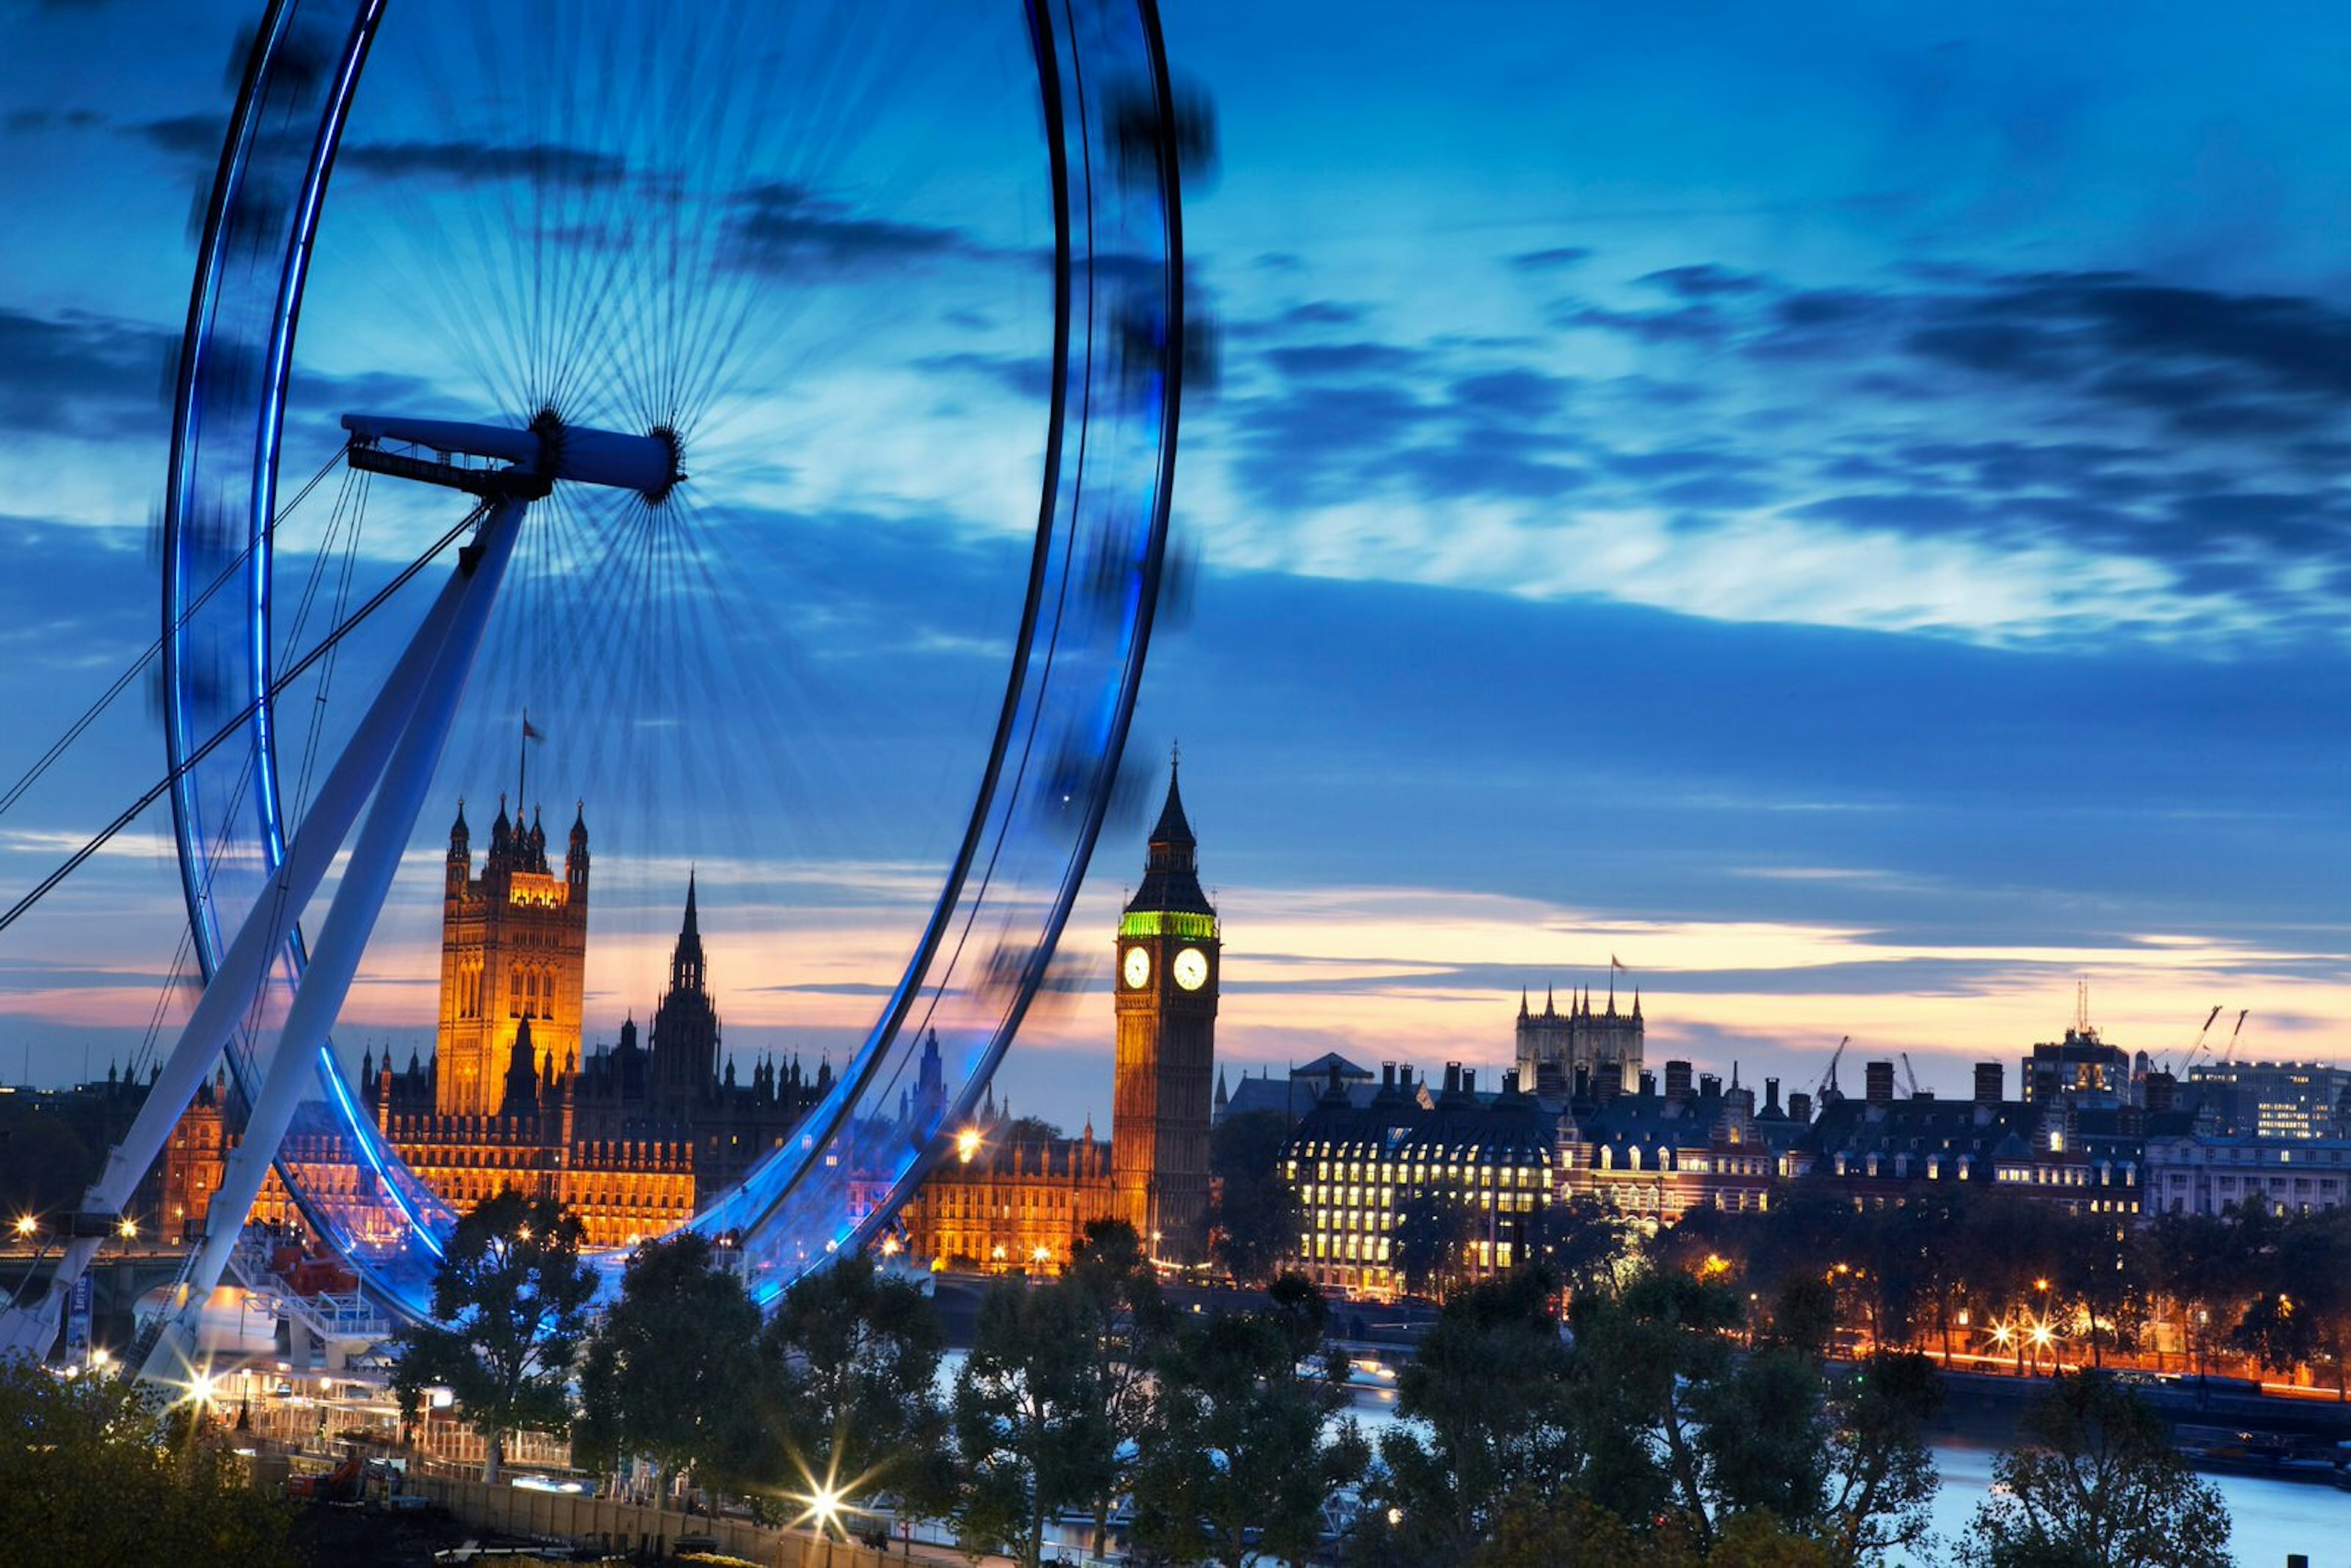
(1012, 1197)
(633, 1136)
(1464, 1176)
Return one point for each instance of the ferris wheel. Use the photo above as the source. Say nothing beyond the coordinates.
(779, 403)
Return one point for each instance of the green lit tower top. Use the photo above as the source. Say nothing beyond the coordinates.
(1169, 963)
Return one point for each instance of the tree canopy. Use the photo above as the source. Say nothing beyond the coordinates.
(668, 1369)
(510, 1302)
(97, 1470)
(2097, 1482)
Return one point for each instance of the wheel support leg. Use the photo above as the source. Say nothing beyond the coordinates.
(342, 939)
(30, 1329)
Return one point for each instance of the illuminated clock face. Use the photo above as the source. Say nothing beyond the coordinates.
(1138, 967)
(1191, 969)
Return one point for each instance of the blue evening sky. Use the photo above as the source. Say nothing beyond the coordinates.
(1837, 507)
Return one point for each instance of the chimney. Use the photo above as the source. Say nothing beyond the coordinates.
(1990, 1089)
(1799, 1108)
(1452, 1078)
(1648, 1085)
(1550, 1078)
(1879, 1076)
(1468, 1081)
(1709, 1084)
(1678, 1080)
(1771, 1094)
(1388, 1075)
(1510, 1082)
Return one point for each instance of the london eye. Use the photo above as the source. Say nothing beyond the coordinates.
(777, 402)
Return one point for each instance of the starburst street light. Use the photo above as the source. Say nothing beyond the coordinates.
(967, 1143)
(26, 1225)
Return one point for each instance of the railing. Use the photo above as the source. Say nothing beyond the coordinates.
(328, 1315)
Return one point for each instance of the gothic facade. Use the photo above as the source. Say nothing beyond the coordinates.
(633, 1136)
(1581, 1052)
(1011, 1196)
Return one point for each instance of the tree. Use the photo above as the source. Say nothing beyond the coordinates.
(1254, 1223)
(1030, 1427)
(851, 1364)
(1488, 1413)
(95, 1472)
(2300, 1313)
(510, 1307)
(1583, 1242)
(664, 1372)
(1130, 1318)
(1676, 1424)
(1424, 1245)
(1882, 1479)
(1570, 1531)
(1235, 1463)
(1648, 1365)
(2098, 1485)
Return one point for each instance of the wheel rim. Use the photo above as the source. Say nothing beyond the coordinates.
(1051, 761)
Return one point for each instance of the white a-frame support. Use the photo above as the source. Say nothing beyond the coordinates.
(400, 733)
(334, 960)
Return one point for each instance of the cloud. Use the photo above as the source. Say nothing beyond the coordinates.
(2030, 434)
(184, 135)
(1022, 377)
(779, 226)
(25, 120)
(78, 374)
(475, 163)
(1705, 280)
(1556, 258)
(1320, 361)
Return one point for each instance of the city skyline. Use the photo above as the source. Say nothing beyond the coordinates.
(1855, 554)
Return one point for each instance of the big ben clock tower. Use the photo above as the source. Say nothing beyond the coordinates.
(1167, 974)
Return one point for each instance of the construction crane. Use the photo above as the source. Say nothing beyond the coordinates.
(2229, 1055)
(1909, 1075)
(1828, 1081)
(2196, 1048)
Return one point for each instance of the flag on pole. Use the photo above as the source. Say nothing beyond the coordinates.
(1613, 963)
(529, 731)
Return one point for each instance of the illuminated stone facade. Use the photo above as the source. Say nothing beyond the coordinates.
(633, 1137)
(1465, 1179)
(1583, 1052)
(1010, 1195)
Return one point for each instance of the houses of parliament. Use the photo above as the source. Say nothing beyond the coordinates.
(635, 1136)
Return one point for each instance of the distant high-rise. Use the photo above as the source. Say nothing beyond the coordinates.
(2274, 1099)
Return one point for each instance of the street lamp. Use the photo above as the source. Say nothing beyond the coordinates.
(26, 1225)
(127, 1230)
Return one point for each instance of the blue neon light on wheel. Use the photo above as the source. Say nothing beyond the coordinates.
(922, 364)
